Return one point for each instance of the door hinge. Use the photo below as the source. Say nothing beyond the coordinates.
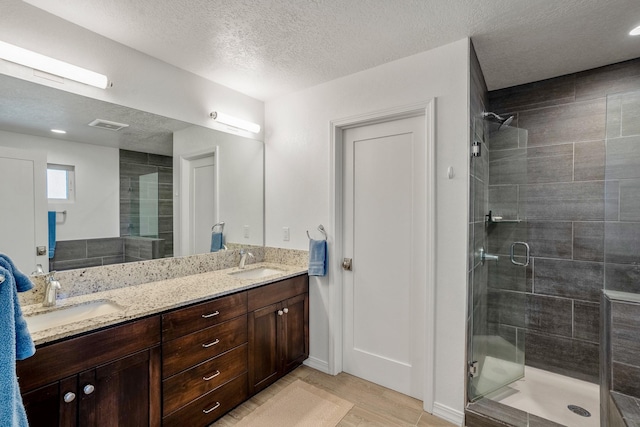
(476, 149)
(473, 369)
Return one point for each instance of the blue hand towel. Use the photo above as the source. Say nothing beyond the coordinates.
(52, 233)
(217, 240)
(21, 282)
(12, 411)
(317, 257)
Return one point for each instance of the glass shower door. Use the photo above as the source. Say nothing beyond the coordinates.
(499, 258)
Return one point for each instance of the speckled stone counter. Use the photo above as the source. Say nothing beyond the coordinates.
(157, 296)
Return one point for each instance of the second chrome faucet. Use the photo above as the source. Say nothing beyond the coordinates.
(243, 258)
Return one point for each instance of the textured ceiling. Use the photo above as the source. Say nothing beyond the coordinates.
(265, 48)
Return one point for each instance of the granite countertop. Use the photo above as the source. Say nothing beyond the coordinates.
(155, 297)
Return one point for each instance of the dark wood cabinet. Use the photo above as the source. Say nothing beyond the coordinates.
(278, 330)
(121, 389)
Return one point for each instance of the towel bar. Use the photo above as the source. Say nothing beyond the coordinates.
(320, 229)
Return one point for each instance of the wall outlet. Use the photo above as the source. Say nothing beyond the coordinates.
(246, 232)
(285, 234)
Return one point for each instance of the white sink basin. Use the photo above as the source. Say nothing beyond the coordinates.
(66, 315)
(256, 273)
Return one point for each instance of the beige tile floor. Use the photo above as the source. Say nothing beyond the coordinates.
(373, 405)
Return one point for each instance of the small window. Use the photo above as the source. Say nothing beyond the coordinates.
(60, 182)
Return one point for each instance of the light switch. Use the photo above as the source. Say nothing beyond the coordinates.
(285, 234)
(246, 232)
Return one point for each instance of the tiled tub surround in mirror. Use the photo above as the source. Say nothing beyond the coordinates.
(581, 213)
(150, 287)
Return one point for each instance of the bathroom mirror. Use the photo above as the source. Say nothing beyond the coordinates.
(153, 188)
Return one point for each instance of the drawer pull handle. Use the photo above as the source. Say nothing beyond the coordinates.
(212, 376)
(211, 344)
(280, 312)
(69, 397)
(286, 310)
(88, 389)
(206, 316)
(207, 411)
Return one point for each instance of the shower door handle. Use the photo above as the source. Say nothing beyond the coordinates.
(513, 256)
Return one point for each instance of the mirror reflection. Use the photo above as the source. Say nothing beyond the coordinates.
(120, 184)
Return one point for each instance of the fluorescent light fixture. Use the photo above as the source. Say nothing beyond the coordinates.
(235, 122)
(25, 57)
(635, 31)
(58, 131)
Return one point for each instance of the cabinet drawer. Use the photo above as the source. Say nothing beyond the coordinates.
(189, 385)
(211, 406)
(187, 351)
(200, 316)
(276, 292)
(74, 355)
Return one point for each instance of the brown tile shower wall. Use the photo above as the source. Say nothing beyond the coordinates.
(133, 164)
(553, 174)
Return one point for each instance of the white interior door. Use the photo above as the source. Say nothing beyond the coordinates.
(385, 235)
(23, 217)
(202, 203)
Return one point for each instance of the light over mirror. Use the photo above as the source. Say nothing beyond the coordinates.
(124, 185)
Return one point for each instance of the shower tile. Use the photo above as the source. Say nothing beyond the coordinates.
(623, 158)
(116, 259)
(77, 263)
(508, 137)
(500, 236)
(165, 224)
(70, 250)
(626, 379)
(630, 200)
(588, 241)
(554, 91)
(575, 122)
(622, 242)
(503, 201)
(586, 321)
(104, 247)
(542, 422)
(497, 411)
(622, 277)
(506, 307)
(614, 116)
(165, 175)
(135, 169)
(569, 279)
(508, 167)
(629, 406)
(127, 156)
(589, 161)
(504, 275)
(549, 315)
(159, 160)
(630, 125)
(553, 163)
(599, 82)
(566, 356)
(546, 239)
(165, 191)
(625, 340)
(576, 201)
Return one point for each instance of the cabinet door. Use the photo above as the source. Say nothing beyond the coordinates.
(295, 343)
(46, 406)
(264, 359)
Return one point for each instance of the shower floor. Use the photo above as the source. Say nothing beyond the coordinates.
(547, 395)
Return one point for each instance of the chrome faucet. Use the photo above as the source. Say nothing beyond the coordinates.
(51, 290)
(243, 258)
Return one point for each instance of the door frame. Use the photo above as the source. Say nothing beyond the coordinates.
(185, 193)
(336, 288)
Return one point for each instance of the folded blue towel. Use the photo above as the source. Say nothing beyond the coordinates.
(12, 411)
(217, 240)
(317, 257)
(52, 233)
(23, 283)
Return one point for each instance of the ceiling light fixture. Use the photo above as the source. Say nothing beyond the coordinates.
(235, 122)
(635, 31)
(58, 131)
(30, 59)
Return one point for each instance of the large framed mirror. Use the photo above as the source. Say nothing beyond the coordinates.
(120, 185)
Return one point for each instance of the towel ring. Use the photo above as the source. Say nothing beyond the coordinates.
(320, 229)
(220, 224)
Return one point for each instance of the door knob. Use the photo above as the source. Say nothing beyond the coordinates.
(346, 264)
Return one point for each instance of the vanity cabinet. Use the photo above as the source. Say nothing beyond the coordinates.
(278, 330)
(105, 378)
(204, 364)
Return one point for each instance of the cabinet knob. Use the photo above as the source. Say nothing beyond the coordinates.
(69, 397)
(286, 310)
(88, 389)
(280, 312)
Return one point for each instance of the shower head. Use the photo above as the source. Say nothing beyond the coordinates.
(494, 117)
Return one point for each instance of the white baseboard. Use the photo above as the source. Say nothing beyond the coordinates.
(317, 364)
(449, 414)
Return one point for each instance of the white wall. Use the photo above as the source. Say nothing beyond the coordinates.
(95, 213)
(240, 169)
(297, 186)
(140, 81)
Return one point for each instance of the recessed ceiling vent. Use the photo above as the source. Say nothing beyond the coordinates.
(106, 124)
